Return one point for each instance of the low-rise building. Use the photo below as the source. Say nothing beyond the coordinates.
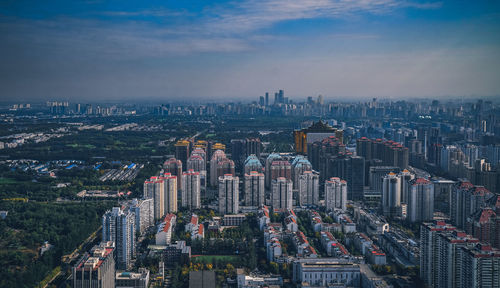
(132, 279)
(177, 253)
(370, 222)
(304, 249)
(234, 219)
(257, 281)
(196, 230)
(202, 279)
(325, 272)
(263, 217)
(401, 247)
(316, 221)
(165, 228)
(333, 247)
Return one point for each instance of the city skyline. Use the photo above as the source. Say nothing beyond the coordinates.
(94, 51)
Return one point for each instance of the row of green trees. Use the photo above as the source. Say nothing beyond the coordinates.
(29, 225)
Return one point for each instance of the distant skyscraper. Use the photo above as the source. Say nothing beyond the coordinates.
(299, 165)
(420, 200)
(154, 189)
(198, 150)
(228, 194)
(377, 173)
(253, 146)
(335, 194)
(170, 190)
(267, 98)
(182, 151)
(317, 132)
(252, 163)
(391, 153)
(119, 226)
(238, 150)
(95, 269)
(191, 191)
(174, 167)
(281, 96)
(281, 195)
(262, 101)
(281, 169)
(220, 165)
(216, 157)
(308, 191)
(406, 176)
(391, 195)
(465, 200)
(254, 189)
(144, 213)
(196, 163)
(355, 177)
(270, 159)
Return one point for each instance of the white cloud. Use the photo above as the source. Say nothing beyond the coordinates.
(251, 15)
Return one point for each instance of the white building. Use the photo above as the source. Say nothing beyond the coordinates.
(254, 188)
(308, 189)
(165, 228)
(144, 214)
(119, 226)
(391, 195)
(326, 271)
(191, 190)
(281, 195)
(154, 189)
(336, 194)
(420, 200)
(228, 194)
(170, 193)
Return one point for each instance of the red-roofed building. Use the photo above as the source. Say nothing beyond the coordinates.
(465, 200)
(485, 225)
(97, 268)
(165, 228)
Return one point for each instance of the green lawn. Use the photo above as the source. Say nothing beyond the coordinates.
(75, 145)
(8, 181)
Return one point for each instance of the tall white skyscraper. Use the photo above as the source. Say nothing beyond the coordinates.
(228, 194)
(170, 193)
(299, 166)
(420, 200)
(270, 159)
(217, 156)
(336, 194)
(254, 189)
(308, 189)
(144, 213)
(281, 195)
(391, 195)
(119, 226)
(191, 190)
(154, 188)
(406, 176)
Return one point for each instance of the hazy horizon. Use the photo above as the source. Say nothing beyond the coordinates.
(87, 51)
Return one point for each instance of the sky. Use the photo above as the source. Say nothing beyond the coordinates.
(237, 50)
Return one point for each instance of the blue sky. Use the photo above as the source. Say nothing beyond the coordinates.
(215, 50)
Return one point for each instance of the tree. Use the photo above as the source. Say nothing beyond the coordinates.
(274, 267)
